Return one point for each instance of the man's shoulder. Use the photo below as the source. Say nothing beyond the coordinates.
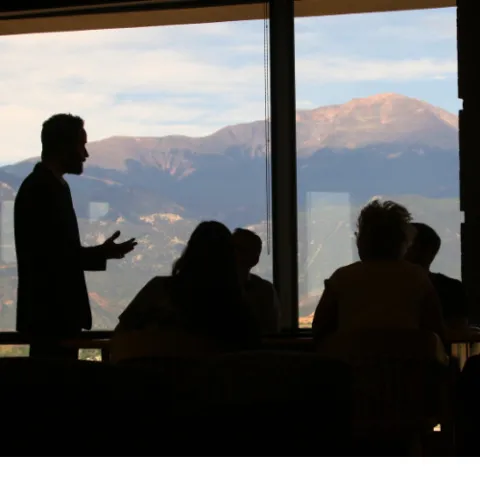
(260, 282)
(347, 270)
(441, 279)
(35, 179)
(398, 269)
(38, 183)
(27, 183)
(410, 269)
(159, 281)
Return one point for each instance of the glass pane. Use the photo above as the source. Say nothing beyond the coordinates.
(14, 350)
(92, 354)
(377, 116)
(175, 118)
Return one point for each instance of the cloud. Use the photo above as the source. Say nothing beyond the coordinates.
(392, 35)
(189, 80)
(428, 28)
(328, 70)
(305, 104)
(123, 82)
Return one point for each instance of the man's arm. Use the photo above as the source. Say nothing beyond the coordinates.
(93, 259)
(40, 236)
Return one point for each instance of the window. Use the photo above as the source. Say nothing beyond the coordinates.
(377, 116)
(176, 124)
(14, 350)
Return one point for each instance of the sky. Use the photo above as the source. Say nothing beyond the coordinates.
(195, 79)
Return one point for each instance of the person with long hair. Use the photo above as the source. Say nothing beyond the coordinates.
(382, 290)
(202, 296)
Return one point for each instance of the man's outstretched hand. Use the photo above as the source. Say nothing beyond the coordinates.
(117, 250)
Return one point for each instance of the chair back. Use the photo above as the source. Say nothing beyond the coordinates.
(397, 376)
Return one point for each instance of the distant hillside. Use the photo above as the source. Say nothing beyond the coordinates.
(157, 189)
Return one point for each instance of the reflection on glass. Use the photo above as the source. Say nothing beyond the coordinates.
(328, 245)
(376, 117)
(329, 236)
(14, 351)
(7, 240)
(176, 134)
(97, 210)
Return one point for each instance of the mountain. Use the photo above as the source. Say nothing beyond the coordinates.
(389, 135)
(157, 189)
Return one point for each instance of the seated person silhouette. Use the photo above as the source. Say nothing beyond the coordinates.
(260, 293)
(202, 299)
(381, 290)
(423, 250)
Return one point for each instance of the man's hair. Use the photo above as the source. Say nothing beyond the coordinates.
(248, 235)
(382, 230)
(426, 238)
(59, 133)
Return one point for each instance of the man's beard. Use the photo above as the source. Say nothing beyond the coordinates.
(75, 168)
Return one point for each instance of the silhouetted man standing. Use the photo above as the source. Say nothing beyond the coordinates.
(52, 294)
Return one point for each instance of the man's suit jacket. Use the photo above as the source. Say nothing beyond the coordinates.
(52, 293)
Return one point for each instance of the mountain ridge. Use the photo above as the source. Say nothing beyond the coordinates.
(363, 147)
(158, 188)
(381, 118)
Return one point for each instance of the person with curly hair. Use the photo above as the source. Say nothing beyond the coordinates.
(382, 290)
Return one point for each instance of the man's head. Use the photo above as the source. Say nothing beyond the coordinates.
(248, 246)
(383, 231)
(64, 143)
(425, 246)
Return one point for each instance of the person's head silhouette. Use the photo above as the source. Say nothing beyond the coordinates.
(205, 283)
(248, 246)
(425, 245)
(383, 231)
(64, 144)
(209, 255)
